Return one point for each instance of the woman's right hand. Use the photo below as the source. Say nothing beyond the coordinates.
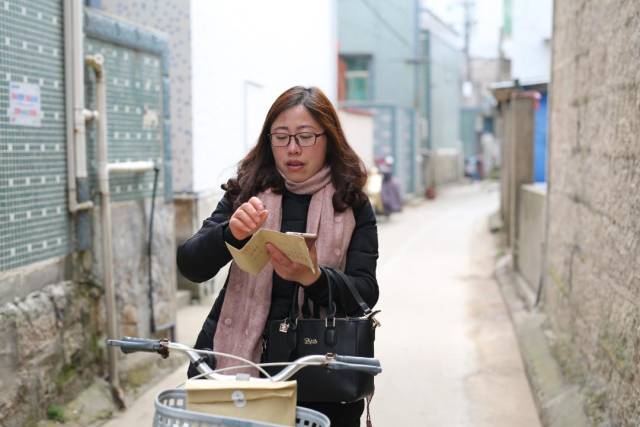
(248, 218)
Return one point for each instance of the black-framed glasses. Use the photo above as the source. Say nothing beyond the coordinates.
(304, 139)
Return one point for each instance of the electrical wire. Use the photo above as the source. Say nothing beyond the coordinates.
(386, 23)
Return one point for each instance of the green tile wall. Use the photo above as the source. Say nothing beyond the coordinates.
(34, 221)
(134, 86)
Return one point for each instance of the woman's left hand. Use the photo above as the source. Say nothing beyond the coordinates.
(292, 271)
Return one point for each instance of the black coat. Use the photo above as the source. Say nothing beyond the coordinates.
(201, 257)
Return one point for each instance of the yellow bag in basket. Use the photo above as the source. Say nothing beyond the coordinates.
(270, 402)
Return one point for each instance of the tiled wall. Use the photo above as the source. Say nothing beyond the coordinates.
(134, 104)
(33, 206)
(173, 18)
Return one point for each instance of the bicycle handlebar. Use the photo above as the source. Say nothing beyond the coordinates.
(134, 344)
(358, 360)
(330, 360)
(369, 369)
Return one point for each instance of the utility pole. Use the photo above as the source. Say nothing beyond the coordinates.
(468, 23)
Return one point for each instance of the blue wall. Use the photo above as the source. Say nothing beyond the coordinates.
(540, 141)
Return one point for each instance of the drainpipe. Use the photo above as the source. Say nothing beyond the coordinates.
(77, 175)
(96, 63)
(139, 167)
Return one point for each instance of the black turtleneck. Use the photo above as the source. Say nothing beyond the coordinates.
(294, 218)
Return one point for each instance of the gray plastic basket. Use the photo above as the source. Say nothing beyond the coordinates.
(170, 412)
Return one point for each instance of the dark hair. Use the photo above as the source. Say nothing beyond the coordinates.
(257, 171)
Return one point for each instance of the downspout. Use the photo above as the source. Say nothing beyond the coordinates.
(96, 63)
(76, 113)
(74, 17)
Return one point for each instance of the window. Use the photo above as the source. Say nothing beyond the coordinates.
(357, 77)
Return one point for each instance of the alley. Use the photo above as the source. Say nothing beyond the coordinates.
(446, 343)
(447, 346)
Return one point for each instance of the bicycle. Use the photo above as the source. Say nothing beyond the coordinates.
(170, 404)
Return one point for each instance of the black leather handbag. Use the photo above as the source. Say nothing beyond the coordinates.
(294, 337)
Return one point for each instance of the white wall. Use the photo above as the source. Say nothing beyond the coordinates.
(245, 53)
(358, 129)
(531, 34)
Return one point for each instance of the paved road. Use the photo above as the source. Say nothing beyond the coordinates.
(448, 350)
(447, 346)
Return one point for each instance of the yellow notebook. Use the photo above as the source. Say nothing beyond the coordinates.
(254, 256)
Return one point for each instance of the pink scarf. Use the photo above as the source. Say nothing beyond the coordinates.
(247, 298)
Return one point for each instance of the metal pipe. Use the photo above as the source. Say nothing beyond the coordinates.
(75, 111)
(131, 166)
(96, 62)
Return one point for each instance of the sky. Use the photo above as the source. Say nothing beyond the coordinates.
(487, 15)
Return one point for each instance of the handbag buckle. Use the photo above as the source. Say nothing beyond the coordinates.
(374, 322)
(284, 326)
(333, 322)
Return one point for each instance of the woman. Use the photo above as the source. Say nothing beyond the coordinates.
(301, 176)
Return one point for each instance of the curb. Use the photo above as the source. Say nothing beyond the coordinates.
(558, 402)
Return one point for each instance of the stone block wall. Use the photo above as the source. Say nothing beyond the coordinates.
(51, 349)
(593, 287)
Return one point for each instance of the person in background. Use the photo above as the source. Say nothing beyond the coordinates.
(390, 192)
(301, 176)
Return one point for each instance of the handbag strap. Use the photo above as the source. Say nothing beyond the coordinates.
(339, 275)
(333, 276)
(331, 305)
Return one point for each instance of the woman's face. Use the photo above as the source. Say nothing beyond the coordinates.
(298, 163)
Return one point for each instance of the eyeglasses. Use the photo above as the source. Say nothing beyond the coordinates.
(304, 139)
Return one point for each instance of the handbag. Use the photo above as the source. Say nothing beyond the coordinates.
(294, 337)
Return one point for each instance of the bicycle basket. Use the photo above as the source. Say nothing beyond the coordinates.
(170, 412)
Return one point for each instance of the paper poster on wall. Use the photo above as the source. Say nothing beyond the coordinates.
(24, 104)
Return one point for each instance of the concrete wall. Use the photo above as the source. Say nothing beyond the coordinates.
(442, 73)
(444, 83)
(358, 129)
(448, 165)
(517, 158)
(592, 288)
(531, 232)
(386, 31)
